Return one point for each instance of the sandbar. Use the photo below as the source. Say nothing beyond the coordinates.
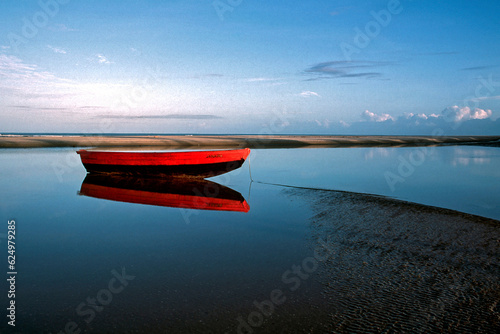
(234, 141)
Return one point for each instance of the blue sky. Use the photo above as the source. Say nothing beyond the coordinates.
(241, 66)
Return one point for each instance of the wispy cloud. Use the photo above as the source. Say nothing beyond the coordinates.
(486, 98)
(101, 59)
(167, 116)
(344, 124)
(23, 83)
(479, 68)
(267, 81)
(40, 108)
(4, 47)
(57, 50)
(308, 93)
(12, 67)
(345, 69)
(214, 75)
(91, 107)
(363, 74)
(207, 75)
(323, 123)
(261, 79)
(22, 107)
(45, 95)
(437, 53)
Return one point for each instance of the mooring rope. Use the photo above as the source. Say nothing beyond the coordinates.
(276, 184)
(249, 169)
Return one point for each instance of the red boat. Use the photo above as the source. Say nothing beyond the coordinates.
(171, 192)
(166, 164)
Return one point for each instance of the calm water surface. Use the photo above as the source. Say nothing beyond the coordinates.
(463, 178)
(102, 265)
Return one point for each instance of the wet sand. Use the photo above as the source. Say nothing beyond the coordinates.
(397, 267)
(404, 267)
(228, 141)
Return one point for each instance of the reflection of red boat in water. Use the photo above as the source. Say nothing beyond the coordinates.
(188, 193)
(185, 163)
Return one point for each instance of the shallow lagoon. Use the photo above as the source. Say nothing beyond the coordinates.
(463, 178)
(101, 265)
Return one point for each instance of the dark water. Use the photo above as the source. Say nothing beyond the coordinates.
(293, 261)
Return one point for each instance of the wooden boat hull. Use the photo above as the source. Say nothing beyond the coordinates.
(178, 193)
(166, 164)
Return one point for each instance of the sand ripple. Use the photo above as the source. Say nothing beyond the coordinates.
(400, 267)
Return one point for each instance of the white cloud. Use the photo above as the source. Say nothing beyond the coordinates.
(27, 84)
(271, 81)
(344, 124)
(57, 50)
(458, 114)
(325, 123)
(485, 98)
(4, 47)
(421, 116)
(12, 67)
(308, 93)
(450, 114)
(259, 79)
(417, 119)
(373, 117)
(102, 59)
(480, 114)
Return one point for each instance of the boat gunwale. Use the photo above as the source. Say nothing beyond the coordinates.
(162, 158)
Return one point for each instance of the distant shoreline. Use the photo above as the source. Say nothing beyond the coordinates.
(234, 141)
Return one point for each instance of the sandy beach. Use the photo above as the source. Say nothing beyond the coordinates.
(230, 141)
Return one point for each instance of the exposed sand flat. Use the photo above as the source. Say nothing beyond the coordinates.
(251, 141)
(404, 267)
